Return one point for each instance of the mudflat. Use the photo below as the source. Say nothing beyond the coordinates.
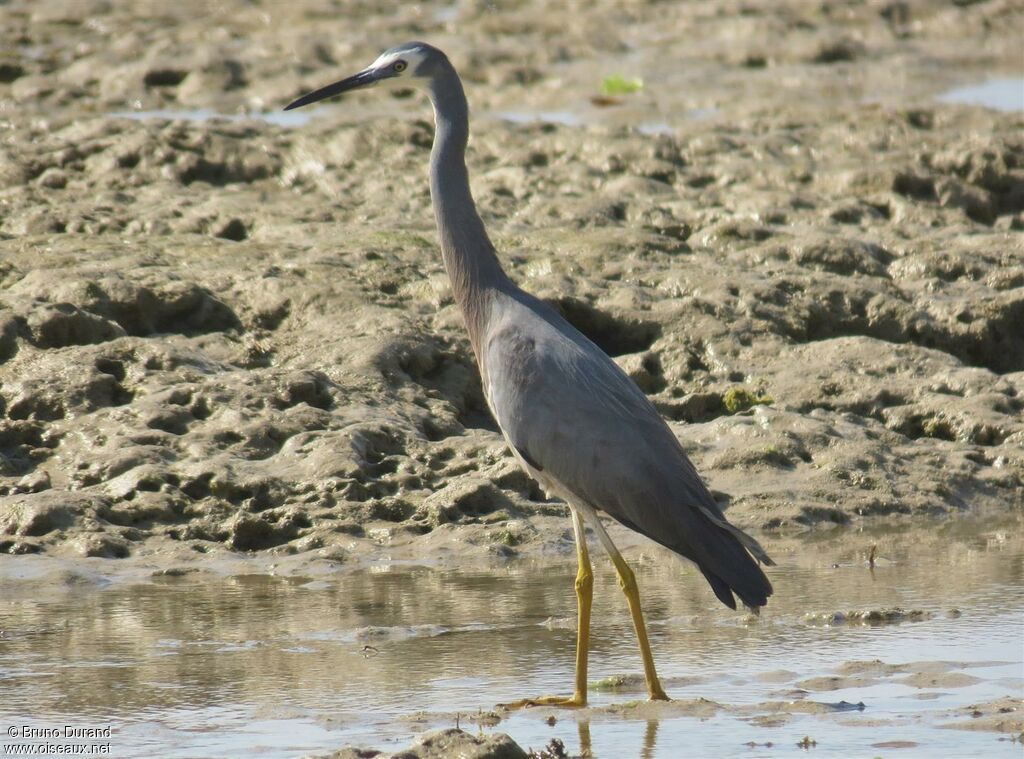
(227, 340)
(235, 333)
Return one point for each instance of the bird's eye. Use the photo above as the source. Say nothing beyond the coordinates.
(399, 67)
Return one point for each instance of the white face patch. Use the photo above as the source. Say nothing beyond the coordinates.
(413, 57)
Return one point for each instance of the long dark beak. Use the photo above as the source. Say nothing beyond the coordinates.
(363, 79)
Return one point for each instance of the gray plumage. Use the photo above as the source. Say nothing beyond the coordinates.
(571, 416)
(593, 436)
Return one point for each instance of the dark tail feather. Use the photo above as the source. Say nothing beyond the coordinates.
(742, 576)
(721, 589)
(730, 560)
(731, 569)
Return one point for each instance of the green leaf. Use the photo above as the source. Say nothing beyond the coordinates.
(617, 84)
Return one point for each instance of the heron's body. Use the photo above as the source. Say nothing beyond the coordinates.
(586, 432)
(572, 418)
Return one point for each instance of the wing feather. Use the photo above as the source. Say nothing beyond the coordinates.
(574, 415)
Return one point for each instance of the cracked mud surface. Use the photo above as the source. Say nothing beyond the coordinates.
(237, 336)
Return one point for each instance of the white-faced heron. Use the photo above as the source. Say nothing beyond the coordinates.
(572, 418)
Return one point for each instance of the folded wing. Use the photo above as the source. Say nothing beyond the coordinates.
(572, 413)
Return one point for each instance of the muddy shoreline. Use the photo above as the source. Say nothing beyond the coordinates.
(918, 651)
(235, 336)
(231, 368)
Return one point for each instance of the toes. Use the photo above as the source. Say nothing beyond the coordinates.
(562, 701)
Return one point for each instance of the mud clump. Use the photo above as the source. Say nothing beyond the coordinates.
(1001, 716)
(444, 743)
(869, 617)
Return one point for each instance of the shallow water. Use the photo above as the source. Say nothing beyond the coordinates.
(1003, 94)
(576, 118)
(288, 119)
(204, 666)
(294, 119)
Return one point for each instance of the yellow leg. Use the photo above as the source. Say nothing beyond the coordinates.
(628, 582)
(584, 602)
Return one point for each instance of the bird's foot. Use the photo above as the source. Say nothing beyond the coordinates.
(658, 695)
(574, 701)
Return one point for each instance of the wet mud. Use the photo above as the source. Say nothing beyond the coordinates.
(228, 345)
(237, 335)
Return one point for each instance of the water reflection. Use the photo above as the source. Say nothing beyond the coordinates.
(207, 666)
(650, 737)
(646, 746)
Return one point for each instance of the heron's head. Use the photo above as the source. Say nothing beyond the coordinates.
(411, 64)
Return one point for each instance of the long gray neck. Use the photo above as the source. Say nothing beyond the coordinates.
(469, 257)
